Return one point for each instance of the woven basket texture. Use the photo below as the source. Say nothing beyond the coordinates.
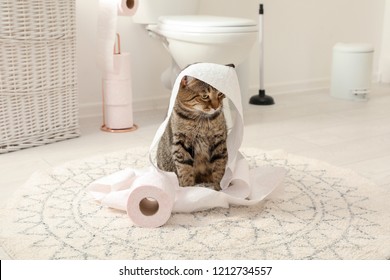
(38, 82)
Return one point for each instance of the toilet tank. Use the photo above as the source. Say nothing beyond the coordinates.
(149, 11)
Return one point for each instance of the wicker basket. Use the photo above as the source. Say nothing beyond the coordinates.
(38, 83)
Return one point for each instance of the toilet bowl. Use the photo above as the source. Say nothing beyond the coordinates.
(200, 38)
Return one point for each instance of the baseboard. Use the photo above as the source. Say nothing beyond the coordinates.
(296, 86)
(89, 110)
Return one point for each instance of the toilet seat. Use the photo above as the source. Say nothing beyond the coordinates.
(206, 24)
(212, 39)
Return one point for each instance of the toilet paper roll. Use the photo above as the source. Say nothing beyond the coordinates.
(118, 117)
(126, 7)
(117, 92)
(109, 10)
(121, 67)
(152, 198)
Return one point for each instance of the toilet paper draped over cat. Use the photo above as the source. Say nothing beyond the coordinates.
(240, 184)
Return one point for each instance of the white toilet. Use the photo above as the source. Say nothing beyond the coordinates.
(192, 38)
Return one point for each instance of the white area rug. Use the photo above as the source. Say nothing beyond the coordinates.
(325, 213)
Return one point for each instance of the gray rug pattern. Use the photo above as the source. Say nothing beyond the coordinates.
(325, 213)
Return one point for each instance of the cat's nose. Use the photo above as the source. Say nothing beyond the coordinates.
(215, 104)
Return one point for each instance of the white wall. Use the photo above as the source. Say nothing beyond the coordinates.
(299, 36)
(384, 64)
(314, 27)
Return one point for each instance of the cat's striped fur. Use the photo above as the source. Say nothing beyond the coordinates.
(194, 142)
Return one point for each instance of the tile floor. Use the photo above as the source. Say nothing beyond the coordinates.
(354, 135)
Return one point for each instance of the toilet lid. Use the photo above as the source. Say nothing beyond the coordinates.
(206, 24)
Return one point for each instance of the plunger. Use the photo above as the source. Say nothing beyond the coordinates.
(261, 98)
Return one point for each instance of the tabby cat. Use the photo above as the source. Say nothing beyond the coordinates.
(194, 142)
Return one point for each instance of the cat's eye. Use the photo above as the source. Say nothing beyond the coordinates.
(220, 94)
(205, 96)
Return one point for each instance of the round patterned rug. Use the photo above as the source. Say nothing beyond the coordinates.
(325, 213)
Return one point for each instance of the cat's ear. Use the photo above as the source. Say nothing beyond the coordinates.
(186, 80)
(231, 65)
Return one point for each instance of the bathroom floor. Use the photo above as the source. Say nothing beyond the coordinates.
(354, 135)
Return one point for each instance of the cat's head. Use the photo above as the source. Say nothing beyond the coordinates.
(197, 96)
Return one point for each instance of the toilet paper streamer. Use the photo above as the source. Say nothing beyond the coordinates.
(109, 10)
(240, 185)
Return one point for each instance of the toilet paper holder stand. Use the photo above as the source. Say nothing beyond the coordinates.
(117, 50)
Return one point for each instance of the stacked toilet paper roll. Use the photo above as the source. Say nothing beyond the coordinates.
(117, 94)
(115, 66)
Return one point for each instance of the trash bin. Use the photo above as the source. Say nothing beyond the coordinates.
(352, 71)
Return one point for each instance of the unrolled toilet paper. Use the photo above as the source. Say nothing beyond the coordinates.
(113, 190)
